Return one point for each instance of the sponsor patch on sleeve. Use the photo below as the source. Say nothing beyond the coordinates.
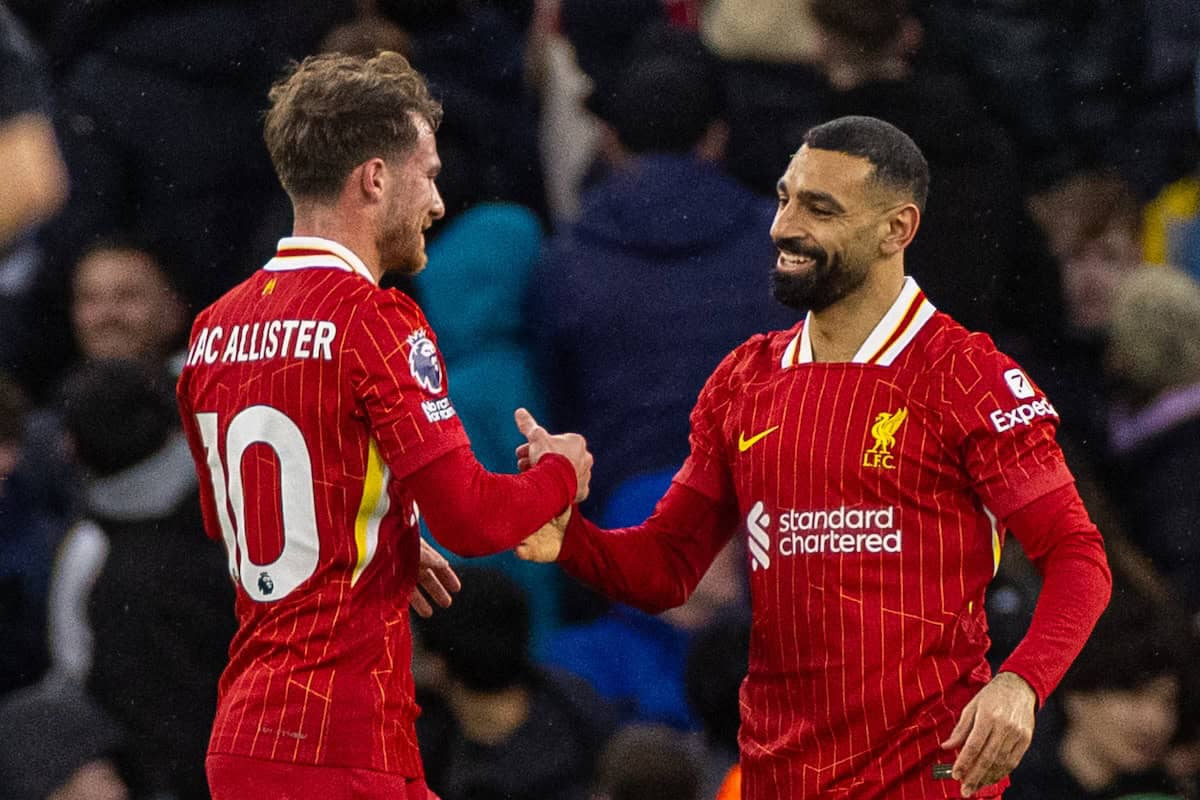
(438, 410)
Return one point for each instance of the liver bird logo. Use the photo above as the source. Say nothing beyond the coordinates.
(884, 429)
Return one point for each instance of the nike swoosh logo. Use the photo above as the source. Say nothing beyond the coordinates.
(745, 444)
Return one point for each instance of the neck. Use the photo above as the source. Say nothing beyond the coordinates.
(1090, 772)
(351, 231)
(490, 718)
(838, 332)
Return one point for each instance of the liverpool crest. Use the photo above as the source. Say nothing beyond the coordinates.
(883, 431)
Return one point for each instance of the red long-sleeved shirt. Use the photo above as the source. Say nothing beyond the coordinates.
(874, 496)
(316, 405)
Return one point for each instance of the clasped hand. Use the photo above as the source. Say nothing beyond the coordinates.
(538, 442)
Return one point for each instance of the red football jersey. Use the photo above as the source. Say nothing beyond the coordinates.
(870, 492)
(308, 395)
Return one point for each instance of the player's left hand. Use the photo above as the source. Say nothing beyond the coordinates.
(438, 579)
(994, 731)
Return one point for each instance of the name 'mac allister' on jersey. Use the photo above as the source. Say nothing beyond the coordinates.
(313, 400)
(871, 494)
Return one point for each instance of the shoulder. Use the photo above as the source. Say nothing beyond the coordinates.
(951, 349)
(762, 352)
(391, 307)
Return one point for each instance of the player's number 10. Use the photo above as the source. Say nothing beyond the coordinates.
(298, 559)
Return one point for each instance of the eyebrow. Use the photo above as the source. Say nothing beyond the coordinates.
(812, 197)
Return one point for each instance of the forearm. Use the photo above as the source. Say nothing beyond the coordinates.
(656, 565)
(473, 512)
(1067, 549)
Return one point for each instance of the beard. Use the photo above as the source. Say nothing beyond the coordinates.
(828, 280)
(402, 246)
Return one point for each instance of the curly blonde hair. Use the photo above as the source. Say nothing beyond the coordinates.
(333, 112)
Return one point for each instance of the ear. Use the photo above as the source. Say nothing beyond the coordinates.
(902, 224)
(370, 178)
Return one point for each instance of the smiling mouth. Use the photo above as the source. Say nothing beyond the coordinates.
(794, 262)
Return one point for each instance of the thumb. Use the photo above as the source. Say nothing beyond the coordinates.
(959, 734)
(526, 424)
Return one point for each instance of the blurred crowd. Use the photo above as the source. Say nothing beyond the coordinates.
(609, 180)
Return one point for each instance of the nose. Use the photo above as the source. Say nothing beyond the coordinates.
(439, 208)
(786, 224)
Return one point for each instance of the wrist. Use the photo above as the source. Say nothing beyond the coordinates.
(1019, 683)
(565, 471)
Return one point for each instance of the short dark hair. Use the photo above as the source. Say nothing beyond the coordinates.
(665, 98)
(333, 112)
(484, 635)
(118, 413)
(162, 251)
(897, 160)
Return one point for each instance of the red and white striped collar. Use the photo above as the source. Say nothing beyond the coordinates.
(304, 252)
(899, 326)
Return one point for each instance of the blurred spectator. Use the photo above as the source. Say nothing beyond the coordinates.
(125, 306)
(1108, 727)
(979, 256)
(1153, 359)
(771, 84)
(779, 31)
(158, 118)
(638, 662)
(28, 535)
(473, 55)
(141, 606)
(506, 728)
(36, 183)
(603, 35)
(482, 335)
(1171, 232)
(1078, 83)
(667, 249)
(1091, 221)
(28, 148)
(58, 746)
(717, 662)
(648, 762)
(368, 33)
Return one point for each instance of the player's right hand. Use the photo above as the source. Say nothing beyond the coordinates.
(544, 544)
(539, 442)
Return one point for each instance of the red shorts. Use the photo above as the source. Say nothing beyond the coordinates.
(241, 778)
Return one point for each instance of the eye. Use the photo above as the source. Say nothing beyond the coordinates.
(820, 212)
(783, 201)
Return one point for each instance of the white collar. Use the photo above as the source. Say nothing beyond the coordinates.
(899, 326)
(303, 252)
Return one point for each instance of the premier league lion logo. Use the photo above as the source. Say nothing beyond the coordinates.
(423, 362)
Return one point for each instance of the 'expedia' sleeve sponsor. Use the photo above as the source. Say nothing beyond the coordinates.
(400, 379)
(1004, 427)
